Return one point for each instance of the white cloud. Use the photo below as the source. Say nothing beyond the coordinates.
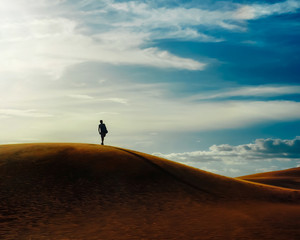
(262, 150)
(6, 113)
(80, 96)
(261, 156)
(50, 36)
(249, 91)
(97, 99)
(185, 34)
(54, 45)
(116, 100)
(254, 11)
(32, 41)
(211, 170)
(141, 14)
(36, 29)
(267, 169)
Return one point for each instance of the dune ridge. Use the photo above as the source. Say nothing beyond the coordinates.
(87, 191)
(289, 178)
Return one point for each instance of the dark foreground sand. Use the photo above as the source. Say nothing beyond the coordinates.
(85, 191)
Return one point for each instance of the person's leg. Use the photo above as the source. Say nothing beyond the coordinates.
(102, 139)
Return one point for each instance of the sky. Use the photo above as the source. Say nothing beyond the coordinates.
(211, 84)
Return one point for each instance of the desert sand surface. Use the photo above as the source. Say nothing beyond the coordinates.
(289, 178)
(74, 191)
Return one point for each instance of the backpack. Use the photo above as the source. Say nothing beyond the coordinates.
(103, 129)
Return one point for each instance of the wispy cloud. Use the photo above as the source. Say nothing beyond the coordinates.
(97, 99)
(80, 96)
(32, 113)
(150, 108)
(116, 100)
(249, 91)
(32, 41)
(52, 35)
(145, 15)
(254, 11)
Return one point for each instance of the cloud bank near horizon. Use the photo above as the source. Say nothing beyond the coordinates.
(231, 159)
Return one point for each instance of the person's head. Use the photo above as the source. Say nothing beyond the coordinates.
(101, 121)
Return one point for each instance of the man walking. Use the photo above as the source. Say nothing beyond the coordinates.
(102, 131)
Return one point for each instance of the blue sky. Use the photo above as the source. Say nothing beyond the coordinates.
(212, 84)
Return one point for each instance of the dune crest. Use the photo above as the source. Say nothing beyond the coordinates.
(87, 191)
(289, 178)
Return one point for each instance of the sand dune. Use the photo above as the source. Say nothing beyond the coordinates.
(91, 192)
(289, 178)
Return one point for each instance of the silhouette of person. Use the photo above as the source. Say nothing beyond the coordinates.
(102, 131)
